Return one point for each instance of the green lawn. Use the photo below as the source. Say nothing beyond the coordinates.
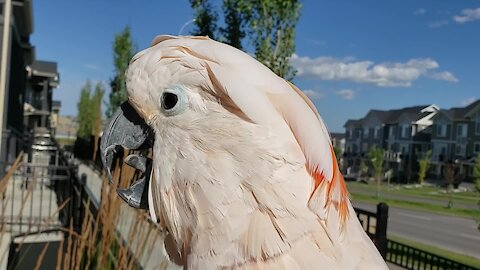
(438, 251)
(425, 192)
(461, 212)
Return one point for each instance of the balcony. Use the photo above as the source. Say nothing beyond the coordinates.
(392, 156)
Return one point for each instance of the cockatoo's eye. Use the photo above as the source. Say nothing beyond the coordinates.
(169, 100)
(173, 101)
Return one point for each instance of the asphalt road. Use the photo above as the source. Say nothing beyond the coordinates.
(451, 233)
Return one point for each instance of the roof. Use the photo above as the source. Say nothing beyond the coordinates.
(337, 135)
(392, 116)
(460, 113)
(353, 122)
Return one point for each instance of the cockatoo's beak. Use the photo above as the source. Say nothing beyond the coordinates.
(127, 130)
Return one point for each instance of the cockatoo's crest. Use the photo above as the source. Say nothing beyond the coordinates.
(254, 93)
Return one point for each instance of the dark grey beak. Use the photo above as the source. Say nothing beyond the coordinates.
(127, 130)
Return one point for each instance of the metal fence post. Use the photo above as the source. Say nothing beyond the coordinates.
(381, 230)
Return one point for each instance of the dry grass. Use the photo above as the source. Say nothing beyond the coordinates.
(97, 245)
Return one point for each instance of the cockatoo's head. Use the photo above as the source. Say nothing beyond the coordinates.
(226, 131)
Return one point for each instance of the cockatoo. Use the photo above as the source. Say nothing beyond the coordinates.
(243, 173)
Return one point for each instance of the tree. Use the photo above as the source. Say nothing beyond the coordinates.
(338, 153)
(271, 29)
(424, 165)
(376, 157)
(123, 51)
(96, 105)
(449, 174)
(233, 32)
(89, 110)
(205, 18)
(476, 177)
(268, 24)
(84, 112)
(476, 173)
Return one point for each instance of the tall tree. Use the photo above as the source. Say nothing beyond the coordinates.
(123, 50)
(233, 32)
(376, 157)
(476, 173)
(424, 165)
(96, 105)
(205, 18)
(271, 29)
(85, 112)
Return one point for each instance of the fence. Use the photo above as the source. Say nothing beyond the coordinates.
(375, 224)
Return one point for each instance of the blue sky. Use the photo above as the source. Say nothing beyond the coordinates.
(351, 56)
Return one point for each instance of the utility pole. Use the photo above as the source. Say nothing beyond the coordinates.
(7, 13)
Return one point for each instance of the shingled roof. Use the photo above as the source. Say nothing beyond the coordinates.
(460, 113)
(392, 116)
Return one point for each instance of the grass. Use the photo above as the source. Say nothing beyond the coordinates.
(459, 212)
(423, 192)
(461, 258)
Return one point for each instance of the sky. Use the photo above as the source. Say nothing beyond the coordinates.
(350, 56)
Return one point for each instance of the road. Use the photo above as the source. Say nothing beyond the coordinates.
(451, 233)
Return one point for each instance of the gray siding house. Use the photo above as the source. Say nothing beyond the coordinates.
(402, 133)
(456, 139)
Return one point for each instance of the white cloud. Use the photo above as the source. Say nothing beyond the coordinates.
(312, 94)
(419, 11)
(437, 24)
(468, 101)
(467, 15)
(384, 74)
(443, 76)
(346, 94)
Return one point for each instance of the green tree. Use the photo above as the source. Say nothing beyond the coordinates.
(123, 51)
(233, 32)
(338, 154)
(476, 173)
(89, 110)
(376, 158)
(424, 165)
(85, 112)
(205, 18)
(96, 107)
(271, 29)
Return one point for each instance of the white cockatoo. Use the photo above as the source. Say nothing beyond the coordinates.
(243, 173)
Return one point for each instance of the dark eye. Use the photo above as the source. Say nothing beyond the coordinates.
(169, 100)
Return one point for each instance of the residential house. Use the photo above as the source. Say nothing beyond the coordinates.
(19, 54)
(402, 133)
(456, 139)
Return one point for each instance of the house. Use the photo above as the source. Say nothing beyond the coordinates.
(456, 138)
(18, 26)
(402, 133)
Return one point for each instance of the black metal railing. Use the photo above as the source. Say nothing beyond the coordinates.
(37, 198)
(412, 258)
(375, 225)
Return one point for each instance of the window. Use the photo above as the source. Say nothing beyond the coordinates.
(441, 130)
(460, 150)
(477, 123)
(377, 132)
(365, 132)
(476, 148)
(462, 130)
(349, 134)
(391, 131)
(405, 129)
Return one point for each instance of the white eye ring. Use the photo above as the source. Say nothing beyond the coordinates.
(173, 100)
